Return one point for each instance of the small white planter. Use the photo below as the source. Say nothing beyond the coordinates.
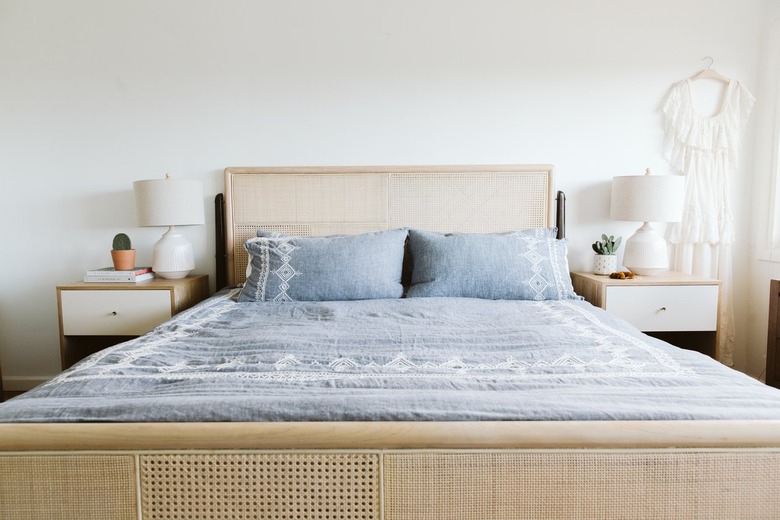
(604, 264)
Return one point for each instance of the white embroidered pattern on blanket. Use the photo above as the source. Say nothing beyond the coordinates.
(616, 360)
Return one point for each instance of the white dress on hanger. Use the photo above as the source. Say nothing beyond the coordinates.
(705, 149)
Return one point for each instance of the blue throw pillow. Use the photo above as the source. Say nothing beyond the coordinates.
(348, 267)
(521, 265)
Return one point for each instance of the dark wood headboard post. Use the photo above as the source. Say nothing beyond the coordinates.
(560, 215)
(221, 252)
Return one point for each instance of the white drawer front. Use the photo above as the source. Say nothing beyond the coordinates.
(113, 313)
(666, 308)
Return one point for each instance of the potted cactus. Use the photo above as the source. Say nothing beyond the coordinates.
(605, 261)
(122, 252)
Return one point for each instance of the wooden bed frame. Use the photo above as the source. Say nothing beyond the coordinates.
(389, 470)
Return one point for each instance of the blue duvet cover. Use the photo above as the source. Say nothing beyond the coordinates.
(416, 359)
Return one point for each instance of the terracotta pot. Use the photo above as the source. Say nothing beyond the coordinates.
(124, 259)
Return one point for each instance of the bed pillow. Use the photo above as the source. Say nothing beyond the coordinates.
(347, 267)
(406, 271)
(521, 265)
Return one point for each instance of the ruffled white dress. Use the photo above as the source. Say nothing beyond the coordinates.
(705, 149)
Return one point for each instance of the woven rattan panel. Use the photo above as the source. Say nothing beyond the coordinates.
(68, 487)
(622, 485)
(271, 486)
(469, 202)
(309, 197)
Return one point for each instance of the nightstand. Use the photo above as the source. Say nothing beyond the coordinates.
(675, 307)
(96, 315)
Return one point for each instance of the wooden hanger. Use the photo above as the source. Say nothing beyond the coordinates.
(709, 73)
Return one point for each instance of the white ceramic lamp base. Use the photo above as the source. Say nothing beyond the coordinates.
(646, 252)
(172, 256)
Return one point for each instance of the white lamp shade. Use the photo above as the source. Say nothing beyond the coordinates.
(647, 198)
(169, 202)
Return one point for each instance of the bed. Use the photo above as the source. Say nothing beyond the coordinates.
(447, 403)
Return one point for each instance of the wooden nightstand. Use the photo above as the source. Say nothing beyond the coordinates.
(96, 315)
(675, 307)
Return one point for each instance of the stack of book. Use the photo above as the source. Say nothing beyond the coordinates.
(109, 274)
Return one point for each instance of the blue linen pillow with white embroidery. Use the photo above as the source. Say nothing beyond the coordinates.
(347, 267)
(520, 265)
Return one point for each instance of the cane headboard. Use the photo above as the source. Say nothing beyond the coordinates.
(343, 200)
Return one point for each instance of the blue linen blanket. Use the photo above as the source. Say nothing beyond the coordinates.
(413, 359)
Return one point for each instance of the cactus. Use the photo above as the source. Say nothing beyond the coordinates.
(121, 242)
(608, 245)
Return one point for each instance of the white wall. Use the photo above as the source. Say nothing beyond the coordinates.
(96, 94)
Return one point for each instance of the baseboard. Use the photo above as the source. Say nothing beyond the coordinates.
(22, 383)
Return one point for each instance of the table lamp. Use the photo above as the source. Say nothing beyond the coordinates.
(647, 198)
(170, 202)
